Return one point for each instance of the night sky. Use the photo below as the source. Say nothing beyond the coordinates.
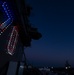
(55, 20)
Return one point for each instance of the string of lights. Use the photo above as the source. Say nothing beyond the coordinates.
(12, 41)
(9, 21)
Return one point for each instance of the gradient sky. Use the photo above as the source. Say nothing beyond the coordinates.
(55, 20)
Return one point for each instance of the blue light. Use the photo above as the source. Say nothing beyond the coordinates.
(8, 22)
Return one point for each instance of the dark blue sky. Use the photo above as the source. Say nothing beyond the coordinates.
(55, 20)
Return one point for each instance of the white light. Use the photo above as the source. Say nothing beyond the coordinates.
(1, 32)
(66, 67)
(21, 66)
(10, 53)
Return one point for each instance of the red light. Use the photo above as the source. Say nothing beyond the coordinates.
(12, 41)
